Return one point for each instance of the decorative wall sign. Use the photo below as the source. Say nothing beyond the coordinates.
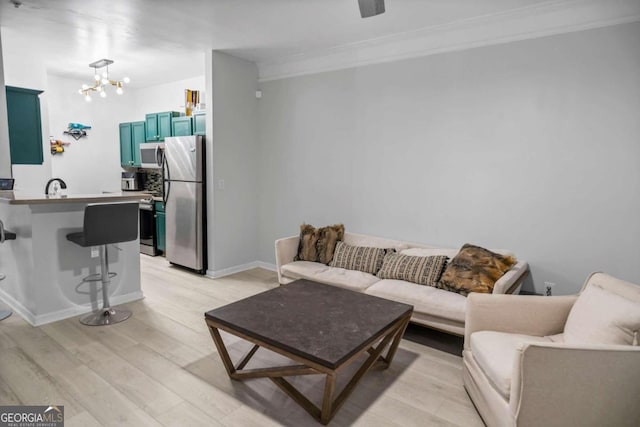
(76, 130)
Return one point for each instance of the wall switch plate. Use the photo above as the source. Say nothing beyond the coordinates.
(95, 252)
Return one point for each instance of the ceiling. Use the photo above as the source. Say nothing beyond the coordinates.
(156, 41)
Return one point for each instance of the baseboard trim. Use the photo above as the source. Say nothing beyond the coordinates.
(39, 320)
(216, 274)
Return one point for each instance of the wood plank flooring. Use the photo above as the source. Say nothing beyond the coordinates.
(160, 368)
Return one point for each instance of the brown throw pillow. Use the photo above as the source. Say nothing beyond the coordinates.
(318, 244)
(307, 245)
(474, 269)
(416, 269)
(329, 237)
(360, 258)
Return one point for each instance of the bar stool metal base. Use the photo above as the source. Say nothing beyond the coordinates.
(106, 316)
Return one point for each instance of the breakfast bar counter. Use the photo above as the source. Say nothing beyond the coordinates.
(44, 271)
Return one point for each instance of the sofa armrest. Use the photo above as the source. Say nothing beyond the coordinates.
(554, 384)
(286, 250)
(511, 281)
(518, 314)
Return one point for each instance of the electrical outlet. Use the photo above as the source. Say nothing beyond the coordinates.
(548, 286)
(95, 252)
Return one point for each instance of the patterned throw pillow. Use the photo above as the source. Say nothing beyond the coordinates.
(474, 269)
(416, 269)
(318, 244)
(361, 258)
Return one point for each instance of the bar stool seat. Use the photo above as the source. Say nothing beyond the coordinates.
(106, 224)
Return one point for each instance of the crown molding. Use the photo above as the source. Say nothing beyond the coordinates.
(540, 20)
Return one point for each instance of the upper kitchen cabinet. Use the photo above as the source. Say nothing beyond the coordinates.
(159, 125)
(199, 123)
(25, 128)
(181, 126)
(131, 136)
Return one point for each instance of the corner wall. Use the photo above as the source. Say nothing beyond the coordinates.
(5, 153)
(531, 146)
(232, 163)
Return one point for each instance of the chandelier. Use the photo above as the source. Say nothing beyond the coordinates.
(102, 80)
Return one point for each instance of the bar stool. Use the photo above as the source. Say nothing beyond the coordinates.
(105, 224)
(5, 235)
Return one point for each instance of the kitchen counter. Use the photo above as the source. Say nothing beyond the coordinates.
(27, 198)
(44, 271)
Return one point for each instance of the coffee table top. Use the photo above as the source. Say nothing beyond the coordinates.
(321, 323)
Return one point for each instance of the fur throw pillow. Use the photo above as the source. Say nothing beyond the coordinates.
(318, 244)
(474, 269)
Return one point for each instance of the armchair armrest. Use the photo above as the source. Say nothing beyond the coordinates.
(554, 384)
(286, 250)
(518, 314)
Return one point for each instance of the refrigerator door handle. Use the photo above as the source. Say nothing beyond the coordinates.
(166, 180)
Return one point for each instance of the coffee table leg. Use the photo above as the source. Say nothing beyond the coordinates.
(396, 342)
(224, 355)
(327, 401)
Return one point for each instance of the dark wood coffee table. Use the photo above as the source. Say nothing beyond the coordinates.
(323, 328)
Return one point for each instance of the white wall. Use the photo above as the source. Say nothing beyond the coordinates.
(232, 139)
(92, 163)
(531, 146)
(5, 154)
(165, 97)
(24, 71)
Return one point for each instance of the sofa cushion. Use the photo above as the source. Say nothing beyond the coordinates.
(348, 279)
(474, 269)
(361, 258)
(602, 317)
(307, 244)
(495, 354)
(329, 237)
(318, 244)
(424, 299)
(416, 269)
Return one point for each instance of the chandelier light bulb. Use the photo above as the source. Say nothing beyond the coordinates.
(97, 77)
(105, 74)
(80, 91)
(87, 98)
(126, 80)
(103, 94)
(104, 81)
(85, 87)
(119, 91)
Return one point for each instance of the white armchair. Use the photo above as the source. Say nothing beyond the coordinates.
(523, 367)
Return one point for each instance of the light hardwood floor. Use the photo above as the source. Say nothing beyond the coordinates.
(160, 367)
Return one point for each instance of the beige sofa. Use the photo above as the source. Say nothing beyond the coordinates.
(435, 308)
(520, 369)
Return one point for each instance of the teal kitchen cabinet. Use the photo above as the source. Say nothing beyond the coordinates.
(160, 226)
(158, 125)
(199, 126)
(131, 136)
(181, 126)
(25, 126)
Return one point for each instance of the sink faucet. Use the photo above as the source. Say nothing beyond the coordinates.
(63, 185)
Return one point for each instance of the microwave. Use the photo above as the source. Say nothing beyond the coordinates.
(151, 155)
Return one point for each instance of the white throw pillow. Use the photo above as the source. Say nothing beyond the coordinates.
(602, 317)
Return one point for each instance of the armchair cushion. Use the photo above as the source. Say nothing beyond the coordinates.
(602, 317)
(495, 353)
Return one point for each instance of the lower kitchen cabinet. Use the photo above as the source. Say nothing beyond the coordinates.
(160, 226)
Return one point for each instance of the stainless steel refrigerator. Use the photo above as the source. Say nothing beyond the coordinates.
(184, 201)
